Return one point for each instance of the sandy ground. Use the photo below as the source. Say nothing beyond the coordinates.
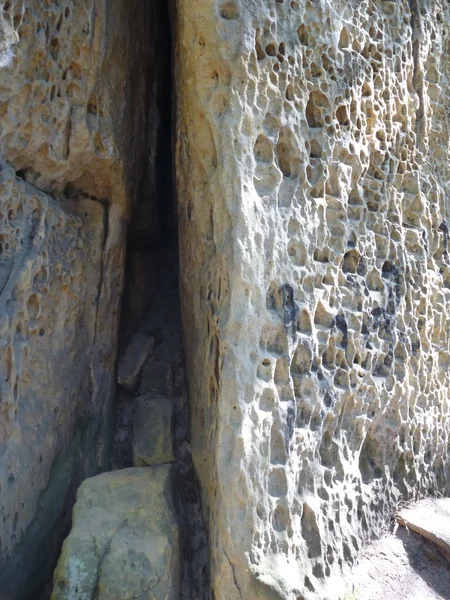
(400, 566)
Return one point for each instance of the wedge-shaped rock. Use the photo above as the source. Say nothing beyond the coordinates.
(431, 519)
(124, 541)
(132, 362)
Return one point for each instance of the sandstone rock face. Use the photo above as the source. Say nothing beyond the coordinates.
(312, 171)
(51, 265)
(312, 144)
(125, 540)
(70, 85)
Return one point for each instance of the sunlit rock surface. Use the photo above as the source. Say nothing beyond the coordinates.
(312, 166)
(312, 143)
(125, 540)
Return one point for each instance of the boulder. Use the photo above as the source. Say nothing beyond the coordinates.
(125, 539)
(429, 518)
(132, 361)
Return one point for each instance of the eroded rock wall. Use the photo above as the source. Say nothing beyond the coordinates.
(75, 131)
(312, 170)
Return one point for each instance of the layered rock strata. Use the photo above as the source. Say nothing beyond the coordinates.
(312, 146)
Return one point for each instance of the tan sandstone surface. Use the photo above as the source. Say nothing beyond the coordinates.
(312, 170)
(124, 541)
(68, 92)
(311, 142)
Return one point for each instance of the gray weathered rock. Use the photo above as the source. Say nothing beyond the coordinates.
(57, 375)
(157, 378)
(152, 441)
(125, 539)
(134, 358)
(431, 519)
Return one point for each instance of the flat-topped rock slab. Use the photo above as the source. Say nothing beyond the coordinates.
(401, 565)
(431, 519)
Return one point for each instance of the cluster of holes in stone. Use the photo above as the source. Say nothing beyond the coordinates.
(357, 113)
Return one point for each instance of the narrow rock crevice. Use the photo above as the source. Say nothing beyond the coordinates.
(152, 422)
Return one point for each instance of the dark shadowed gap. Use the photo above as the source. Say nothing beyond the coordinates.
(151, 306)
(151, 300)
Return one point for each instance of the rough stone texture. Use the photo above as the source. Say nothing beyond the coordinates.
(155, 426)
(152, 440)
(71, 71)
(125, 539)
(71, 84)
(313, 185)
(312, 169)
(48, 303)
(157, 378)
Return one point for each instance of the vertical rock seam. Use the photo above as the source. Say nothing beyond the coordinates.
(152, 422)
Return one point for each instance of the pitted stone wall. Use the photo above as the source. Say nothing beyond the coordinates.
(313, 190)
(74, 105)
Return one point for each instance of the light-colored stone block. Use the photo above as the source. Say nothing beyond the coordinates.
(124, 541)
(431, 519)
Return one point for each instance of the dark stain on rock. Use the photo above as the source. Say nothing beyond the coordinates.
(290, 309)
